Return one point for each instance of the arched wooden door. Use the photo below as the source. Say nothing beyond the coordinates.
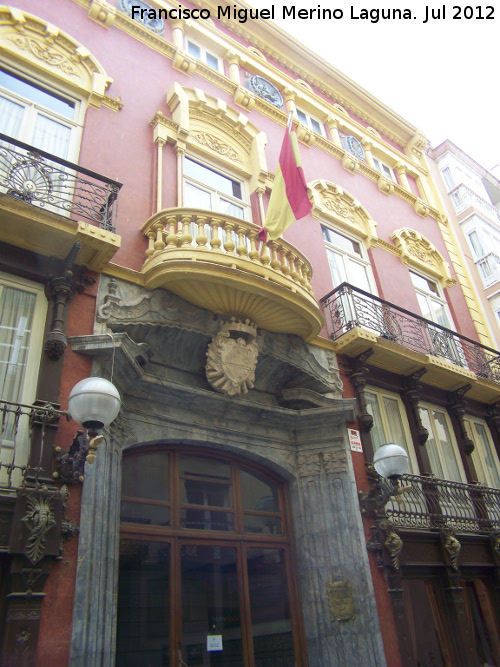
(207, 572)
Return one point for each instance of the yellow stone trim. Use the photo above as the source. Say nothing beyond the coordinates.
(419, 252)
(42, 47)
(113, 103)
(387, 246)
(331, 203)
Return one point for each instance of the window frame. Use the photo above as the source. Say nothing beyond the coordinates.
(203, 53)
(438, 297)
(479, 455)
(33, 109)
(361, 259)
(33, 360)
(441, 455)
(215, 194)
(309, 120)
(380, 166)
(386, 424)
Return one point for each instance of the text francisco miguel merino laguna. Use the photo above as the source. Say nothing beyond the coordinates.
(374, 15)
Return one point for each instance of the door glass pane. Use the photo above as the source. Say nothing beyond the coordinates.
(143, 632)
(448, 450)
(11, 115)
(377, 430)
(210, 606)
(50, 136)
(30, 91)
(431, 446)
(337, 269)
(260, 495)
(145, 490)
(397, 432)
(270, 608)
(358, 276)
(490, 457)
(205, 482)
(16, 317)
(197, 197)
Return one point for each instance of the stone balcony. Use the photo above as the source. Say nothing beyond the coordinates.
(217, 262)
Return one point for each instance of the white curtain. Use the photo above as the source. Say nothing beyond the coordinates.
(50, 136)
(11, 116)
(16, 318)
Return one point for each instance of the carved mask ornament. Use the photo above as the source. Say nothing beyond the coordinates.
(232, 358)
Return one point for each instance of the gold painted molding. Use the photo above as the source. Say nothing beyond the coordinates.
(40, 46)
(333, 204)
(419, 252)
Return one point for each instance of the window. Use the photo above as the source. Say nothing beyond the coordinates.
(476, 245)
(432, 303)
(441, 446)
(484, 455)
(384, 169)
(36, 115)
(310, 122)
(22, 316)
(448, 179)
(347, 260)
(390, 423)
(209, 189)
(204, 56)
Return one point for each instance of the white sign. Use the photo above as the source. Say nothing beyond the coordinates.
(214, 642)
(355, 440)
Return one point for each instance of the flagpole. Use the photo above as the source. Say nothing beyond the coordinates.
(289, 125)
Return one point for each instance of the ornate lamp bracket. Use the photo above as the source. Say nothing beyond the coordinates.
(70, 464)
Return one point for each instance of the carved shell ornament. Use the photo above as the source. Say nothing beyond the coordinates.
(232, 358)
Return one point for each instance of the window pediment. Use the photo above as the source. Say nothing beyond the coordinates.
(41, 46)
(332, 203)
(211, 129)
(419, 252)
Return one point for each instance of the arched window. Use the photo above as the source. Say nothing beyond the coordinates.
(206, 566)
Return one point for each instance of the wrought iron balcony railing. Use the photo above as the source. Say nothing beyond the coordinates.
(347, 307)
(20, 425)
(57, 185)
(429, 503)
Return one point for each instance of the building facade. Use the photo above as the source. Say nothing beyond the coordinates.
(472, 195)
(233, 515)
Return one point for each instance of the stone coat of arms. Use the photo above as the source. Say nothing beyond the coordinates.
(232, 358)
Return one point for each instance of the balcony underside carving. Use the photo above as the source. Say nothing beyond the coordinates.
(218, 263)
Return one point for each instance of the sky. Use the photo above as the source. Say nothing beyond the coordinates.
(442, 76)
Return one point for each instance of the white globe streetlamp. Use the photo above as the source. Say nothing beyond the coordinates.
(391, 461)
(94, 403)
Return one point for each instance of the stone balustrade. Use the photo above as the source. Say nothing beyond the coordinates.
(188, 229)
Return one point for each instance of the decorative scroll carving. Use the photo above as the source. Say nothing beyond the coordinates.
(394, 545)
(386, 535)
(48, 54)
(452, 546)
(264, 89)
(331, 202)
(216, 145)
(357, 371)
(156, 25)
(232, 358)
(39, 520)
(417, 251)
(313, 463)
